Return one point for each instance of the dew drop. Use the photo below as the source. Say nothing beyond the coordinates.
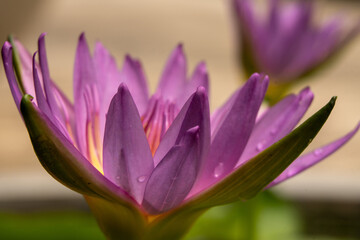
(318, 152)
(117, 177)
(141, 179)
(273, 131)
(219, 170)
(291, 172)
(260, 146)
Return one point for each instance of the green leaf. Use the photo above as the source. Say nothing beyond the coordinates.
(249, 179)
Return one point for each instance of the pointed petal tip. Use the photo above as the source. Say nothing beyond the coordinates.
(263, 78)
(202, 67)
(254, 75)
(129, 59)
(306, 93)
(178, 53)
(42, 36)
(82, 37)
(6, 51)
(305, 89)
(123, 88)
(201, 91)
(259, 77)
(180, 47)
(7, 45)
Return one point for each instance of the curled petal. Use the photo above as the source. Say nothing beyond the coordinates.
(25, 69)
(305, 161)
(6, 53)
(63, 161)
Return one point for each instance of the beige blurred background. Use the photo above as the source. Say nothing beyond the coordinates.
(149, 30)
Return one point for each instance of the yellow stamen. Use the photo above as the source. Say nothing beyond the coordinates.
(92, 150)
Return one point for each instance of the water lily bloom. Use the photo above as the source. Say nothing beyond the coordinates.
(286, 43)
(149, 166)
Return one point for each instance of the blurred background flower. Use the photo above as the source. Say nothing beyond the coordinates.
(288, 42)
(326, 203)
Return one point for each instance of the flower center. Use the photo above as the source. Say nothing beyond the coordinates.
(157, 119)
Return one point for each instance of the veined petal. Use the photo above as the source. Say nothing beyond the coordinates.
(132, 74)
(67, 110)
(40, 96)
(195, 112)
(276, 123)
(84, 74)
(245, 181)
(63, 161)
(127, 158)
(173, 79)
(229, 141)
(6, 53)
(47, 83)
(308, 160)
(43, 102)
(174, 176)
(251, 177)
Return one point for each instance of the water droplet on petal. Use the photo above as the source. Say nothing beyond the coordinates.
(318, 152)
(117, 177)
(260, 146)
(141, 179)
(273, 131)
(219, 170)
(291, 172)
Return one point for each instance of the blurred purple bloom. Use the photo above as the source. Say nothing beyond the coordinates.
(142, 158)
(286, 43)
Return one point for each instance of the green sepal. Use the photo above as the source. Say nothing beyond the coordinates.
(249, 179)
(59, 158)
(117, 221)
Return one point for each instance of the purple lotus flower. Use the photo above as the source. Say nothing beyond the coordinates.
(286, 44)
(149, 166)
